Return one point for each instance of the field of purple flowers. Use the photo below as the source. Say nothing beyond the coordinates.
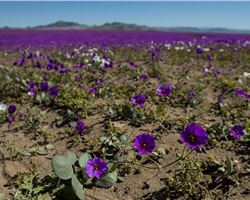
(113, 115)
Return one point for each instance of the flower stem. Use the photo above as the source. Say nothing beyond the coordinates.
(178, 159)
(158, 166)
(135, 163)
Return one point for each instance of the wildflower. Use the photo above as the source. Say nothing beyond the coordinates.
(11, 119)
(38, 65)
(199, 51)
(96, 167)
(194, 136)
(144, 143)
(44, 87)
(240, 93)
(32, 88)
(164, 90)
(80, 127)
(11, 109)
(108, 64)
(53, 91)
(191, 95)
(100, 80)
(237, 131)
(144, 77)
(138, 100)
(64, 71)
(92, 90)
(50, 66)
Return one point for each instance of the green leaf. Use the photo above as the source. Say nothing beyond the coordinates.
(77, 187)
(124, 138)
(229, 166)
(49, 146)
(108, 180)
(62, 167)
(103, 139)
(83, 160)
(71, 157)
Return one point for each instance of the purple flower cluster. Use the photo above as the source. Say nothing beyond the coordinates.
(44, 87)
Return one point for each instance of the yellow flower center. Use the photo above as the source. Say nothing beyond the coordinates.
(144, 146)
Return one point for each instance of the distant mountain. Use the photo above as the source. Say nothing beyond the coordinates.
(61, 24)
(123, 26)
(127, 26)
(113, 25)
(203, 30)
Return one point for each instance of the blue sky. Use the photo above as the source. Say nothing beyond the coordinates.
(166, 14)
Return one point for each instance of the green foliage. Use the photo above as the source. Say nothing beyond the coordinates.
(189, 180)
(62, 167)
(77, 187)
(83, 160)
(108, 180)
(69, 167)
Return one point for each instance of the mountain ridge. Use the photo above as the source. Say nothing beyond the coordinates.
(131, 26)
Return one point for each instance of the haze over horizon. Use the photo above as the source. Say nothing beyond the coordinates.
(232, 15)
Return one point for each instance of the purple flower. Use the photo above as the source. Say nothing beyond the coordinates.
(217, 73)
(96, 167)
(164, 90)
(144, 143)
(11, 119)
(194, 136)
(100, 80)
(80, 127)
(241, 93)
(49, 66)
(191, 95)
(44, 87)
(237, 131)
(32, 88)
(64, 71)
(199, 51)
(92, 90)
(144, 77)
(154, 54)
(103, 71)
(220, 100)
(138, 100)
(132, 64)
(53, 91)
(209, 57)
(38, 65)
(108, 64)
(11, 109)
